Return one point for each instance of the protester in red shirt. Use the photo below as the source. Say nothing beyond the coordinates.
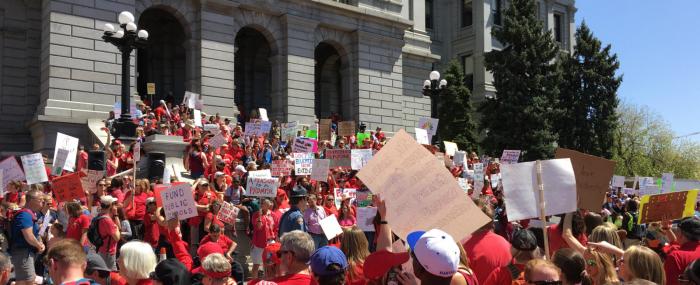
(524, 249)
(295, 251)
(151, 228)
(555, 232)
(228, 245)
(78, 223)
(81, 163)
(485, 249)
(263, 233)
(109, 232)
(212, 217)
(135, 205)
(203, 196)
(161, 111)
(686, 251)
(355, 246)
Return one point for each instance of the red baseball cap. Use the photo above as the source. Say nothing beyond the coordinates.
(208, 248)
(270, 254)
(379, 262)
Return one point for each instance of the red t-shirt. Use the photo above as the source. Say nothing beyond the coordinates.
(214, 219)
(151, 230)
(556, 241)
(263, 231)
(202, 199)
(358, 275)
(82, 161)
(223, 241)
(76, 227)
(107, 229)
(295, 279)
(487, 251)
(501, 275)
(679, 258)
(139, 210)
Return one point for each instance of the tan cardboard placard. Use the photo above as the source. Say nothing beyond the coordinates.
(420, 193)
(593, 176)
(324, 129)
(346, 128)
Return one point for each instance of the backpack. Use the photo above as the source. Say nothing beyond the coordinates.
(517, 276)
(11, 217)
(93, 233)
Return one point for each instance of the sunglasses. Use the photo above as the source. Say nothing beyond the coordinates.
(545, 282)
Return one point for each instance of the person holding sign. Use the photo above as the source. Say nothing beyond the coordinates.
(212, 217)
(312, 216)
(26, 244)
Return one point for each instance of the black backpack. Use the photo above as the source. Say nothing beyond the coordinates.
(93, 233)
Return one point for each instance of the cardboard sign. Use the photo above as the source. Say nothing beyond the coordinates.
(257, 128)
(262, 187)
(365, 218)
(178, 202)
(459, 158)
(324, 129)
(408, 176)
(422, 136)
(360, 158)
(510, 156)
(34, 169)
(67, 187)
(618, 181)
(217, 141)
(305, 145)
(59, 162)
(450, 148)
(429, 124)
(666, 182)
(228, 213)
(319, 169)
(281, 168)
(137, 151)
(10, 172)
(593, 176)
(151, 88)
(90, 181)
(303, 162)
(346, 128)
(197, 118)
(289, 131)
(69, 143)
(340, 158)
(263, 114)
(521, 190)
(667, 206)
(330, 227)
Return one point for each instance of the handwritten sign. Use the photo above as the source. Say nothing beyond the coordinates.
(408, 176)
(478, 177)
(34, 170)
(90, 181)
(210, 127)
(666, 182)
(593, 176)
(10, 172)
(304, 145)
(68, 187)
(667, 206)
(510, 156)
(495, 179)
(178, 202)
(217, 141)
(360, 158)
(521, 190)
(262, 187)
(365, 218)
(228, 213)
(422, 136)
(257, 128)
(281, 168)
(319, 169)
(330, 227)
(59, 162)
(459, 158)
(324, 129)
(289, 131)
(190, 99)
(450, 148)
(463, 183)
(197, 117)
(646, 181)
(340, 158)
(429, 124)
(346, 128)
(69, 143)
(303, 162)
(618, 181)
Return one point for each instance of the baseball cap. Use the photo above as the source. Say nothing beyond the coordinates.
(95, 262)
(436, 251)
(379, 262)
(690, 227)
(208, 248)
(241, 168)
(298, 191)
(326, 256)
(170, 271)
(524, 240)
(107, 200)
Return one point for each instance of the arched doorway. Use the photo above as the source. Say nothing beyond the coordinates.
(163, 62)
(328, 82)
(253, 72)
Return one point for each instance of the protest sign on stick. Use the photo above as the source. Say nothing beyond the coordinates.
(510, 156)
(59, 161)
(450, 148)
(178, 202)
(593, 176)
(262, 187)
(422, 136)
(137, 151)
(618, 181)
(324, 129)
(667, 206)
(407, 176)
(67, 187)
(228, 213)
(346, 128)
(217, 141)
(340, 158)
(478, 177)
(330, 227)
(429, 124)
(69, 143)
(319, 169)
(302, 145)
(281, 167)
(303, 162)
(34, 169)
(10, 172)
(360, 158)
(365, 218)
(289, 131)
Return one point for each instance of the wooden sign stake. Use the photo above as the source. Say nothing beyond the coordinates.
(540, 187)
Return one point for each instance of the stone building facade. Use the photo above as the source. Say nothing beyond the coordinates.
(300, 59)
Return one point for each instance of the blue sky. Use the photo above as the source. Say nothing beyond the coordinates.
(658, 44)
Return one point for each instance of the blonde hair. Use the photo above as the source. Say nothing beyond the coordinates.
(144, 184)
(644, 263)
(355, 246)
(138, 259)
(605, 266)
(605, 233)
(216, 262)
(540, 264)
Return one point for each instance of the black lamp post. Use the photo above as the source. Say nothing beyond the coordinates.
(126, 39)
(433, 88)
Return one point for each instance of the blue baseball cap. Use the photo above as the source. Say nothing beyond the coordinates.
(324, 257)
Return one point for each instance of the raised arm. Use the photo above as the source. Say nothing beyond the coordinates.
(568, 235)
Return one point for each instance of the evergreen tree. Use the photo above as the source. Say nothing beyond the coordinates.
(589, 96)
(455, 110)
(526, 77)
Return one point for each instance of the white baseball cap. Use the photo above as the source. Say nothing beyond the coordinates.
(436, 251)
(107, 200)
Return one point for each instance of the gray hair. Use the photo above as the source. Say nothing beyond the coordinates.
(300, 243)
(216, 262)
(5, 261)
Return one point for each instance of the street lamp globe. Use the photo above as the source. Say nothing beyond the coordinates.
(143, 34)
(109, 28)
(443, 83)
(426, 84)
(119, 34)
(126, 17)
(434, 75)
(131, 27)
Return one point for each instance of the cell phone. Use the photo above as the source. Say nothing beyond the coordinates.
(392, 277)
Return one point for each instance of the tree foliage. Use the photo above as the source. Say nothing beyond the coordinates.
(455, 110)
(527, 78)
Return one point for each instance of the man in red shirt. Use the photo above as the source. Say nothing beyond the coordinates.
(295, 252)
(82, 159)
(109, 233)
(226, 243)
(687, 250)
(524, 249)
(485, 249)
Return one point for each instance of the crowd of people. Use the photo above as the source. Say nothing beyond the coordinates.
(120, 234)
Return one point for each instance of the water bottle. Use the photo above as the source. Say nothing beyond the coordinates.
(163, 254)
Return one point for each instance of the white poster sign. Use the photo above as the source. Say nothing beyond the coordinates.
(330, 227)
(450, 148)
(265, 173)
(459, 158)
(197, 117)
(359, 158)
(257, 128)
(464, 184)
(263, 114)
(69, 143)
(303, 163)
(666, 182)
(289, 131)
(365, 218)
(422, 136)
(262, 187)
(510, 156)
(34, 168)
(217, 141)
(228, 213)
(319, 169)
(429, 124)
(10, 172)
(618, 181)
(90, 181)
(178, 202)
